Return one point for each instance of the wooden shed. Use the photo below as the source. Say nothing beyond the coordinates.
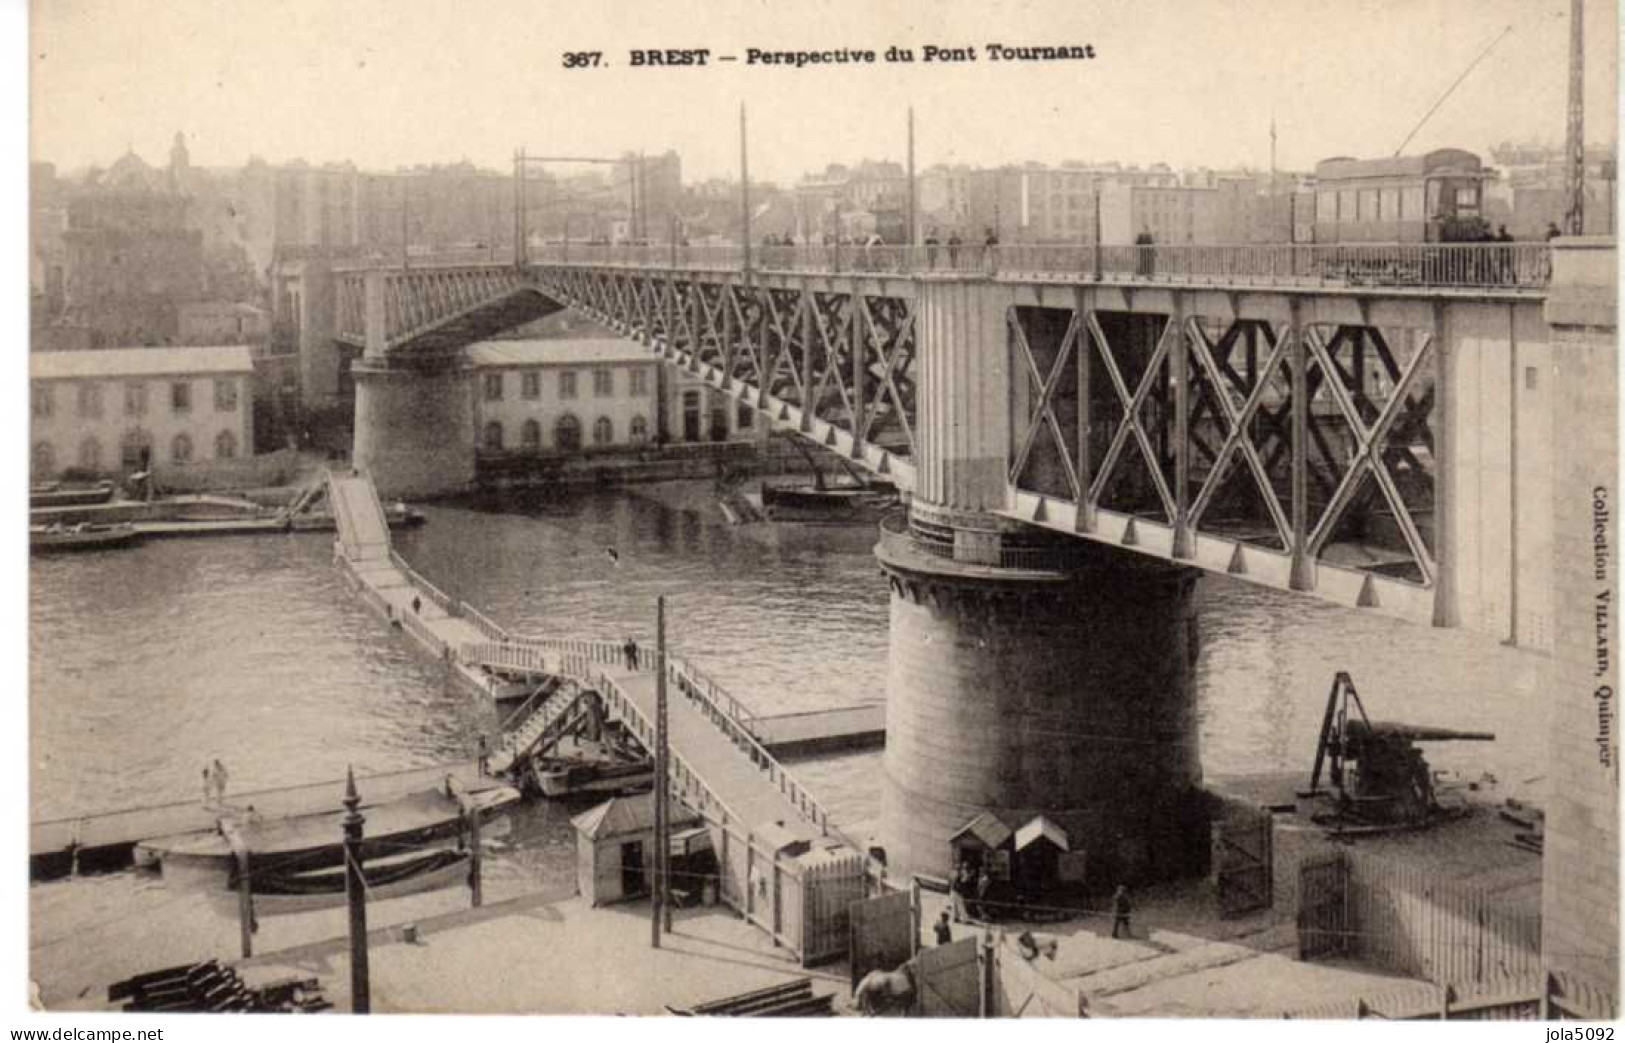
(615, 847)
(983, 841)
(1041, 846)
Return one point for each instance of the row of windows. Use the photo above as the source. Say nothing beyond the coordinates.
(135, 451)
(530, 384)
(89, 398)
(1396, 203)
(566, 433)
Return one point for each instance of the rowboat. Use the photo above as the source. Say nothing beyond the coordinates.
(305, 843)
(62, 539)
(828, 503)
(392, 877)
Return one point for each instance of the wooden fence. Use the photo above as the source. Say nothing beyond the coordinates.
(1554, 995)
(1408, 920)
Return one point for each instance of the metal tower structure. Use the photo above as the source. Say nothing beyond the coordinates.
(1574, 173)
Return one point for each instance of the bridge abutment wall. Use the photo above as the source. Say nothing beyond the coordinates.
(1580, 885)
(1028, 674)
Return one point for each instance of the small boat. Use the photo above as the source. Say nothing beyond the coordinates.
(305, 843)
(577, 765)
(396, 516)
(857, 498)
(59, 494)
(828, 503)
(559, 778)
(61, 539)
(391, 877)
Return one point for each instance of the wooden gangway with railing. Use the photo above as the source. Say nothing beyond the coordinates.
(785, 865)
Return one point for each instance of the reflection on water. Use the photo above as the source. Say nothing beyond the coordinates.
(144, 663)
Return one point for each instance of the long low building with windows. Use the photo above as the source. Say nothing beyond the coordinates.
(564, 395)
(131, 409)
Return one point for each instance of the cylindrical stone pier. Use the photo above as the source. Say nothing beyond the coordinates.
(1028, 673)
(414, 428)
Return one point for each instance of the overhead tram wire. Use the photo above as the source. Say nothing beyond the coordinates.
(1452, 88)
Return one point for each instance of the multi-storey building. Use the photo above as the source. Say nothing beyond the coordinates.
(107, 412)
(565, 396)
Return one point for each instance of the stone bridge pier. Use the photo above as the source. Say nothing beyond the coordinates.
(1029, 673)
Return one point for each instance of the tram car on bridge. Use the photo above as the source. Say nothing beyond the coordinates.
(1437, 197)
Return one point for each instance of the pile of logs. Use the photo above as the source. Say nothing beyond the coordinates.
(213, 988)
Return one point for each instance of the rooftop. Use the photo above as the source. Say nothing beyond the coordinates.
(138, 362)
(599, 351)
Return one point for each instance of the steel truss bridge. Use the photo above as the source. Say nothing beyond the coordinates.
(1289, 415)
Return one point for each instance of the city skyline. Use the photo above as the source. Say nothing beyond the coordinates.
(1183, 69)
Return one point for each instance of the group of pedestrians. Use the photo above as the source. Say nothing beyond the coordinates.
(968, 899)
(215, 778)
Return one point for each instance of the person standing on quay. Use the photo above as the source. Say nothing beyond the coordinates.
(208, 786)
(942, 931)
(1121, 908)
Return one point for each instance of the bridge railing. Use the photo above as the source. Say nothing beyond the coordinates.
(1517, 265)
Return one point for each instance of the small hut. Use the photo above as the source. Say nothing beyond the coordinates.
(984, 841)
(1040, 846)
(615, 847)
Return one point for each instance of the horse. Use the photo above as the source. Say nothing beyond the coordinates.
(883, 991)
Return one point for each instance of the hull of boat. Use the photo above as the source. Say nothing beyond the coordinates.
(312, 892)
(309, 842)
(837, 504)
(558, 782)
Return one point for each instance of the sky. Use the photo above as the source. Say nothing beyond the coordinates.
(1193, 83)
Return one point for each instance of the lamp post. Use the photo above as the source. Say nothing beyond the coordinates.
(355, 893)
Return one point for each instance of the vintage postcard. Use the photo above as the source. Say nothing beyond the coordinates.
(972, 510)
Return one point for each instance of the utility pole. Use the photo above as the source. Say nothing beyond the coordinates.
(406, 197)
(521, 210)
(355, 893)
(744, 188)
(660, 915)
(913, 223)
(1574, 174)
(663, 773)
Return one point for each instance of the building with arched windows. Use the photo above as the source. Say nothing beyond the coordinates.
(567, 395)
(546, 396)
(119, 411)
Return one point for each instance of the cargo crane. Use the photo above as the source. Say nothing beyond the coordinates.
(1375, 773)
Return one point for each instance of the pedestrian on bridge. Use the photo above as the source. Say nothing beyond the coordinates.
(931, 241)
(630, 649)
(990, 252)
(954, 243)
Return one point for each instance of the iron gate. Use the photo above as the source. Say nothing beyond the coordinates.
(1323, 907)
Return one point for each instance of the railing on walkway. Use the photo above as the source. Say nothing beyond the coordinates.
(899, 539)
(1490, 266)
(447, 604)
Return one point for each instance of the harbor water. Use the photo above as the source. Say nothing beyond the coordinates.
(148, 662)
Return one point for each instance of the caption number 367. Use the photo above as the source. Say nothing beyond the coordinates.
(581, 59)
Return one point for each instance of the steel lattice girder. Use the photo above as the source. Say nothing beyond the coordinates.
(839, 354)
(1251, 407)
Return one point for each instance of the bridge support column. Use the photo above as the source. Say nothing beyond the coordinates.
(414, 428)
(1028, 673)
